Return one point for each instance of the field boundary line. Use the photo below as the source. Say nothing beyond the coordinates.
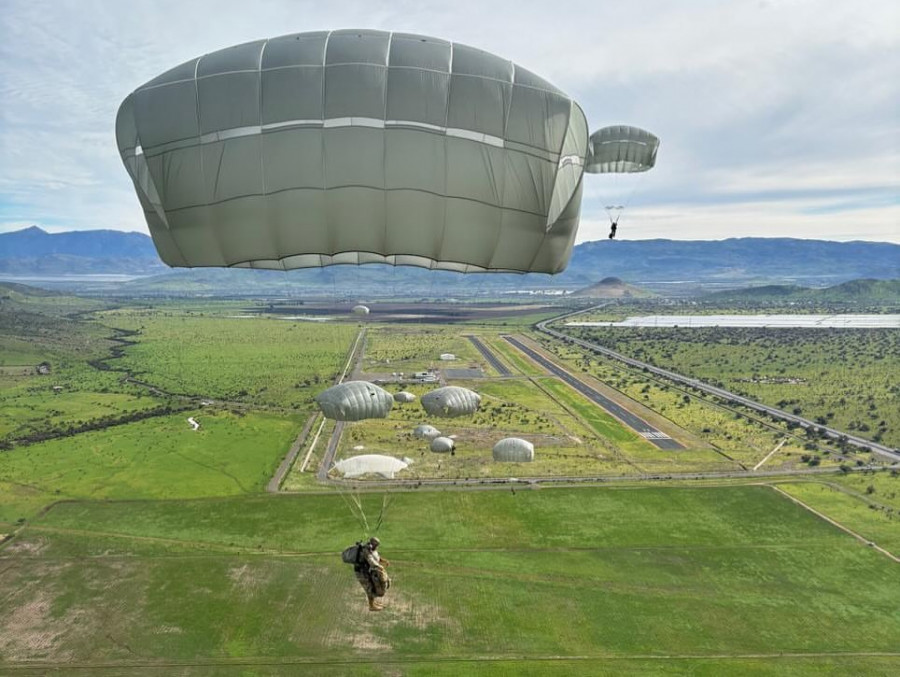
(835, 523)
(256, 661)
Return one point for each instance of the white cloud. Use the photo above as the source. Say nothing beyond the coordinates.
(780, 116)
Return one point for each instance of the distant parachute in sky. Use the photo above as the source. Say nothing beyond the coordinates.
(451, 401)
(357, 146)
(355, 401)
(621, 150)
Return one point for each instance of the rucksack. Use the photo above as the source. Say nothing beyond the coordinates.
(351, 554)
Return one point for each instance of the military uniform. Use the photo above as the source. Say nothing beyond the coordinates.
(371, 574)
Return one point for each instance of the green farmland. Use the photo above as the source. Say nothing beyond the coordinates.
(483, 582)
(132, 543)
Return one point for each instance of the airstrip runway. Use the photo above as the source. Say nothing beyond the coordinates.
(644, 429)
(489, 356)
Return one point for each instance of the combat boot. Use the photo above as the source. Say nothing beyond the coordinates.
(375, 605)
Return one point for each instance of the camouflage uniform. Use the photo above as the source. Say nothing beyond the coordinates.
(371, 574)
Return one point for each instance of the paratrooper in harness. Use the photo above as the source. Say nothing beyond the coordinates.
(369, 568)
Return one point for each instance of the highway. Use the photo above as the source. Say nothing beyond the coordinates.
(644, 429)
(489, 356)
(860, 442)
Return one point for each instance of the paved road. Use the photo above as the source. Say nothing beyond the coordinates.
(274, 484)
(881, 449)
(489, 356)
(644, 429)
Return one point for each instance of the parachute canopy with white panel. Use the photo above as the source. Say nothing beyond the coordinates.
(355, 401)
(513, 450)
(357, 146)
(451, 401)
(360, 310)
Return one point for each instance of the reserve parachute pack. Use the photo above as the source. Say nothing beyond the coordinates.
(351, 554)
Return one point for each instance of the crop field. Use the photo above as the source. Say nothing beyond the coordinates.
(679, 581)
(844, 378)
(260, 361)
(163, 457)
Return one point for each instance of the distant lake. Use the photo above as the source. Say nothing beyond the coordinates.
(787, 321)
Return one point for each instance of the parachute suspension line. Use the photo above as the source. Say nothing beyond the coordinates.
(385, 503)
(354, 504)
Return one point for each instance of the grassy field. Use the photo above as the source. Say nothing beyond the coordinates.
(867, 503)
(564, 443)
(681, 581)
(232, 453)
(260, 361)
(408, 350)
(844, 378)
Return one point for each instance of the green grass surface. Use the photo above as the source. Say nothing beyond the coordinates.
(394, 349)
(869, 515)
(261, 361)
(484, 582)
(156, 458)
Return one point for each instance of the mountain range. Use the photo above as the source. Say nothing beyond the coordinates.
(663, 265)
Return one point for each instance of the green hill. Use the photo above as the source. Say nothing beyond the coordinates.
(613, 288)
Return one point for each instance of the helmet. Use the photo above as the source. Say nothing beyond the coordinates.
(374, 542)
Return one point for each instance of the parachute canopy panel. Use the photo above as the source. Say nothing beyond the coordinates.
(356, 146)
(355, 401)
(426, 432)
(621, 150)
(360, 310)
(404, 397)
(374, 464)
(442, 445)
(451, 401)
(513, 450)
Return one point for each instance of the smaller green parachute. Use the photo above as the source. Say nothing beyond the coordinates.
(621, 149)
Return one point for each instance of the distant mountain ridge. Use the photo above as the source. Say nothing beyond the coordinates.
(33, 251)
(732, 262)
(853, 291)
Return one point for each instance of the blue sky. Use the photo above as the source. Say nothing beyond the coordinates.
(777, 117)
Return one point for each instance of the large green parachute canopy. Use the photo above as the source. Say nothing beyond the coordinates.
(513, 450)
(621, 150)
(356, 146)
(451, 401)
(355, 401)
